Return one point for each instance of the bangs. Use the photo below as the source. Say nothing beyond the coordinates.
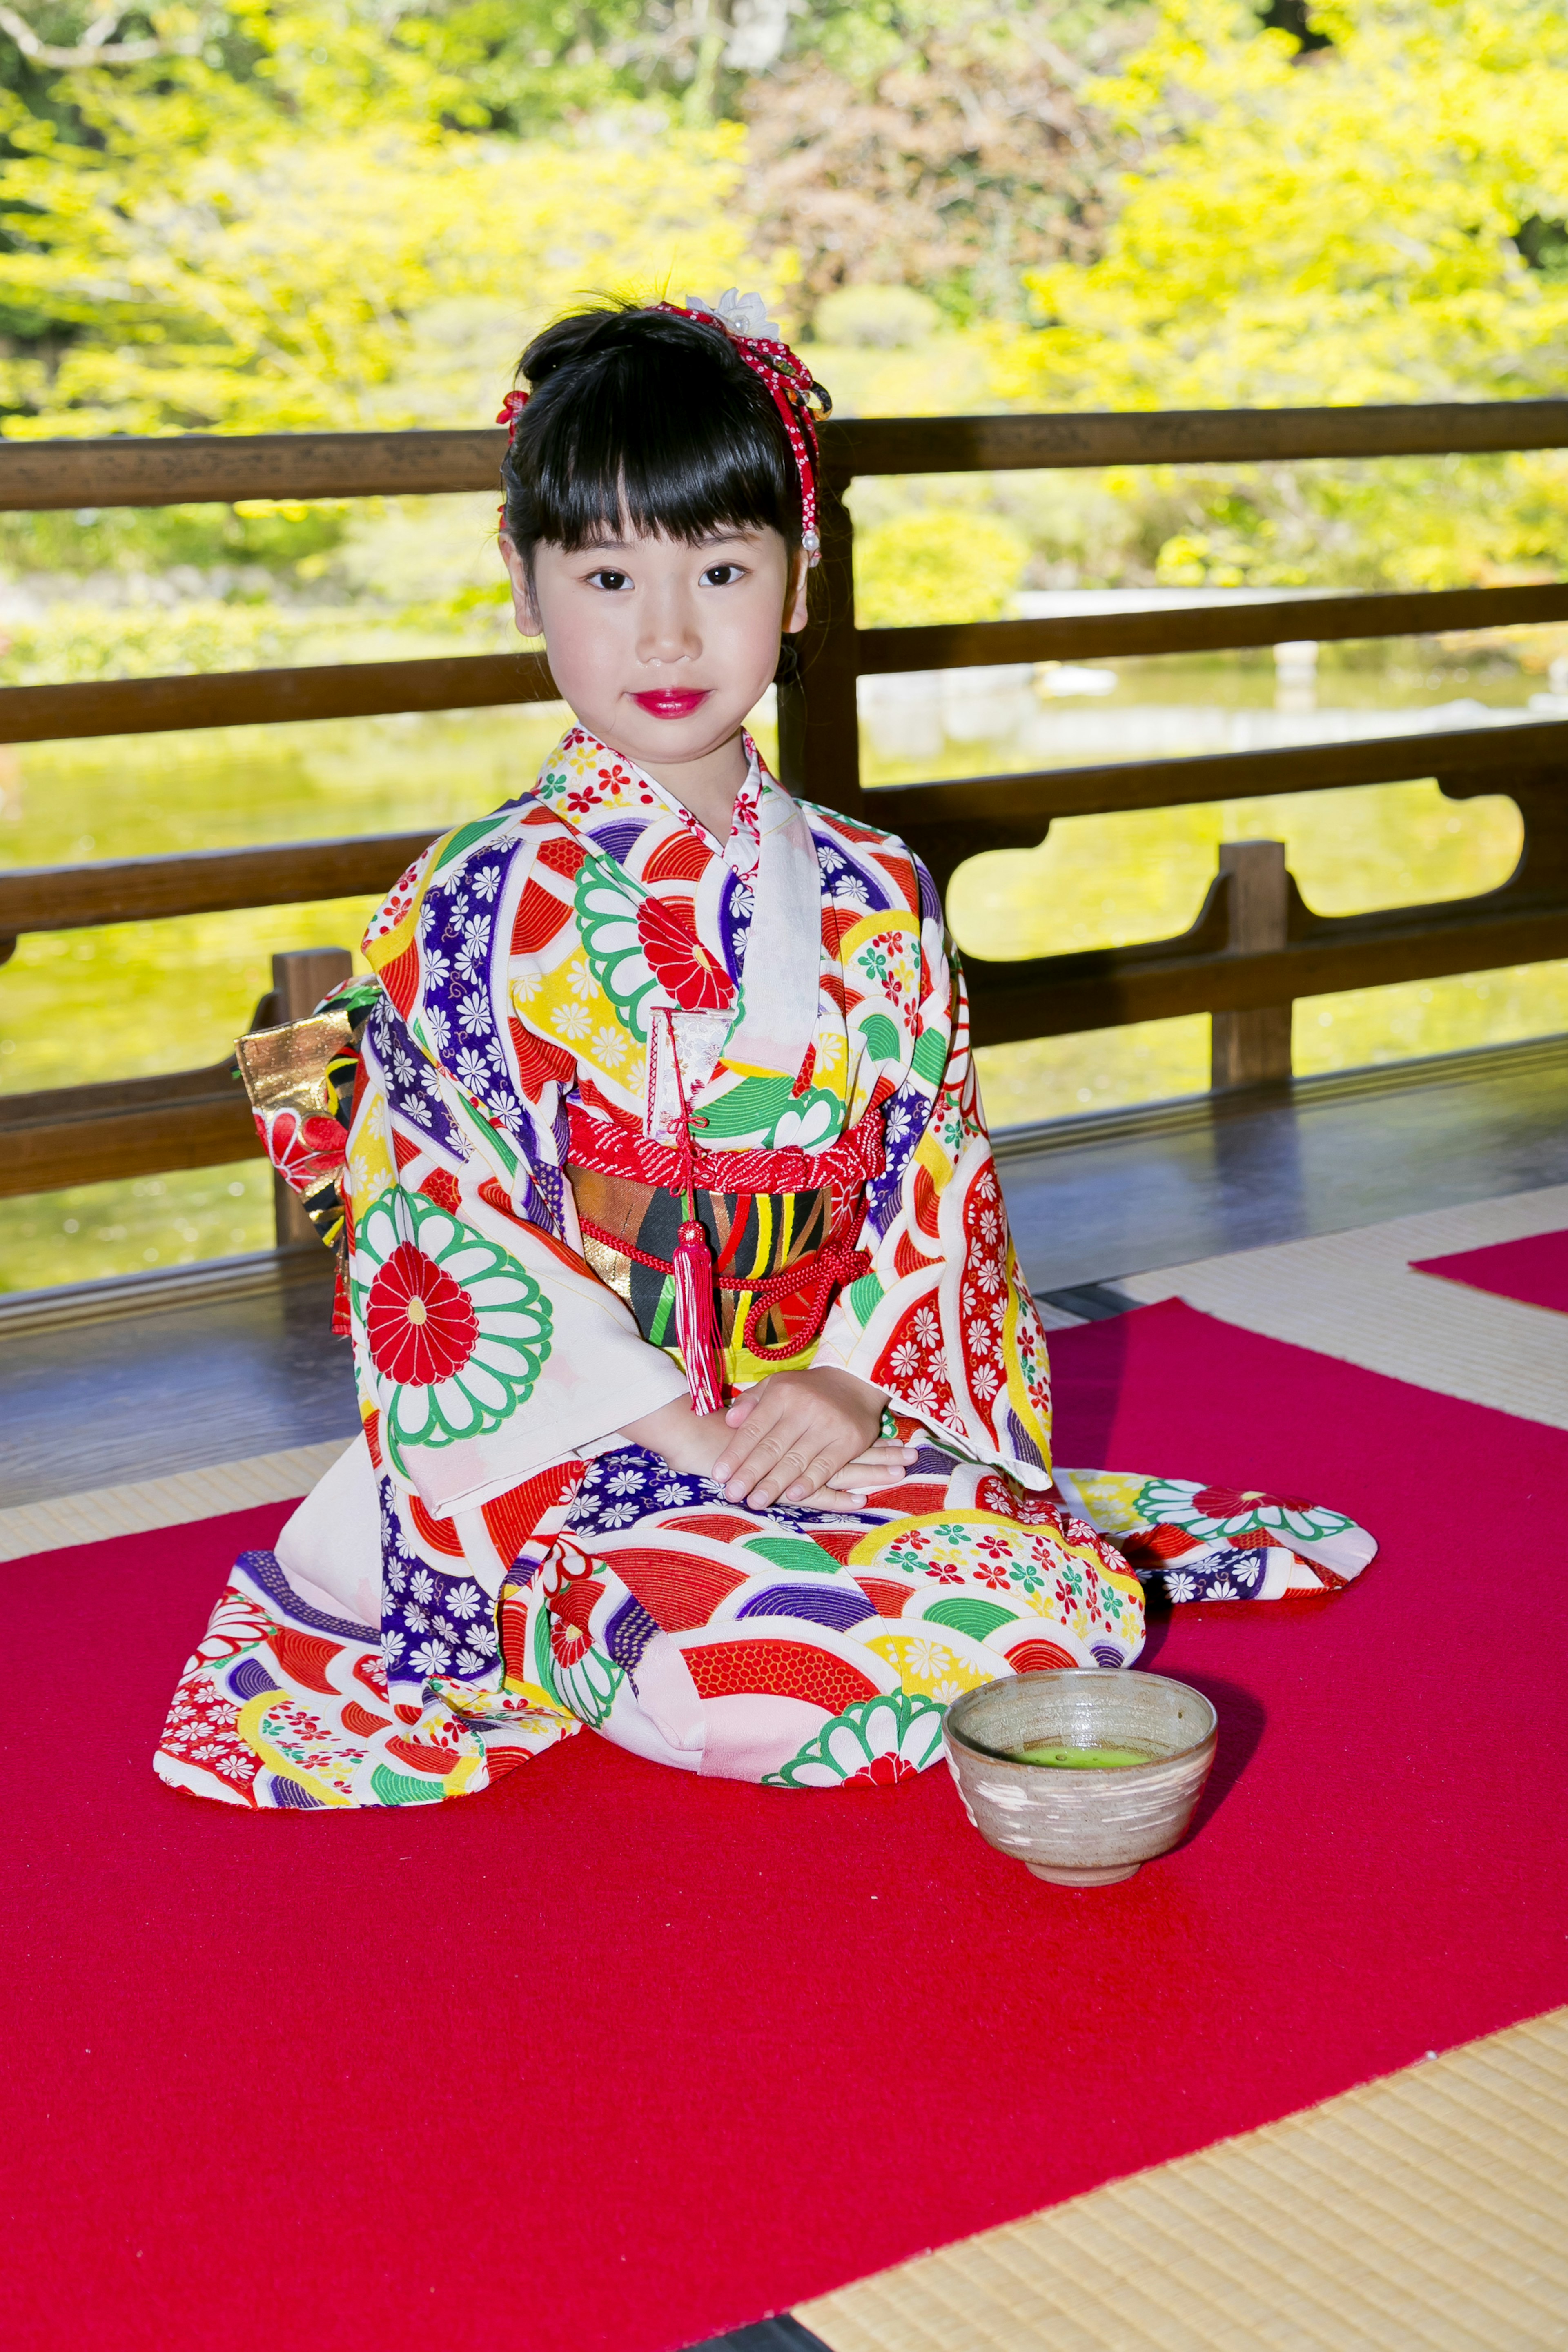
(649, 426)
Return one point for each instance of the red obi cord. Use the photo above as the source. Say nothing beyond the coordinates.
(848, 1166)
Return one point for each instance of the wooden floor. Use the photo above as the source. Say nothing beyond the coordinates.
(1126, 1193)
(140, 1394)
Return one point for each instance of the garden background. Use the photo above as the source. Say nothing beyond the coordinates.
(256, 217)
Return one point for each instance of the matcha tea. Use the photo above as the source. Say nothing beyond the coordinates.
(1081, 1759)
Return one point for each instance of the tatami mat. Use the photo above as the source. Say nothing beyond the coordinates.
(170, 1502)
(1354, 1296)
(1429, 2209)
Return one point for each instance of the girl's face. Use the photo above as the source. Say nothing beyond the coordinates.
(662, 648)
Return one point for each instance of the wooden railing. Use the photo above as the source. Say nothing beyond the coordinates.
(1255, 947)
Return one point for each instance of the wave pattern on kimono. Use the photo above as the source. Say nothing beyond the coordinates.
(492, 1565)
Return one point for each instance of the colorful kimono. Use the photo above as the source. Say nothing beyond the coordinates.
(495, 1124)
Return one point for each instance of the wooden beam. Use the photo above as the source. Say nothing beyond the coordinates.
(1036, 796)
(1054, 996)
(127, 471)
(819, 733)
(955, 818)
(154, 706)
(202, 882)
(197, 1118)
(193, 468)
(135, 1126)
(1252, 1048)
(1181, 436)
(1207, 628)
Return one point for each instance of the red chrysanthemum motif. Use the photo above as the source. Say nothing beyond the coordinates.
(420, 1327)
(568, 1643)
(884, 1773)
(1229, 1503)
(680, 964)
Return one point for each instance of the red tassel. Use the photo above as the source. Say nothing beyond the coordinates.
(696, 1323)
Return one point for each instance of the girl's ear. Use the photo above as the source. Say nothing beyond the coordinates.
(525, 611)
(796, 614)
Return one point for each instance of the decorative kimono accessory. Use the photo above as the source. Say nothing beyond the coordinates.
(684, 1169)
(695, 1324)
(303, 1082)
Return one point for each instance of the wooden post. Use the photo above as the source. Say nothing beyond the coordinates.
(819, 728)
(1250, 1047)
(299, 981)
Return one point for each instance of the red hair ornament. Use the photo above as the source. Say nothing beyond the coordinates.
(796, 394)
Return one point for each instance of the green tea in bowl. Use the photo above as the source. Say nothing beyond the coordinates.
(1082, 1759)
(1082, 1773)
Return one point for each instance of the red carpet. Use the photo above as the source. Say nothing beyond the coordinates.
(288, 2080)
(1534, 1270)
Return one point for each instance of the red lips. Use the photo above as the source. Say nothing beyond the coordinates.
(671, 702)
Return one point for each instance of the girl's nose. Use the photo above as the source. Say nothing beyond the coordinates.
(669, 631)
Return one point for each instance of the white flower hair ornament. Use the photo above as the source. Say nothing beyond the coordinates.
(739, 314)
(800, 400)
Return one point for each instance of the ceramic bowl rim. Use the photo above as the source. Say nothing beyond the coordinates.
(954, 1732)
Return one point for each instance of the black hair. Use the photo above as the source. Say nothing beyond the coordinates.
(642, 419)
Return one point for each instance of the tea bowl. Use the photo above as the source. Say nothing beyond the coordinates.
(1081, 1828)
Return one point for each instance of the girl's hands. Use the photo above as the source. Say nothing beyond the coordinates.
(806, 1437)
(879, 1466)
(809, 1436)
(689, 1440)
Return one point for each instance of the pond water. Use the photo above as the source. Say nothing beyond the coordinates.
(79, 1006)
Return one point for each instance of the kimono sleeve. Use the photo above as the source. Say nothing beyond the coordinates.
(487, 1351)
(943, 1320)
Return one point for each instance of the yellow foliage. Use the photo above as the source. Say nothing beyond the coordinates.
(1338, 230)
(936, 563)
(272, 283)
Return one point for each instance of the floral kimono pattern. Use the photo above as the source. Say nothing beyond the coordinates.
(492, 1566)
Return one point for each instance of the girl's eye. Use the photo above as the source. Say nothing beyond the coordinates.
(609, 579)
(720, 575)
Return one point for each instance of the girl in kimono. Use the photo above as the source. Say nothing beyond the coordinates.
(703, 1402)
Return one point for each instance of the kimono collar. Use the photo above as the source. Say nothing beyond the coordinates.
(596, 791)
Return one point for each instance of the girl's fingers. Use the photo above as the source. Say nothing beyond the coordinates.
(819, 1472)
(765, 1409)
(801, 1456)
(738, 1448)
(773, 1449)
(882, 1464)
(791, 1466)
(785, 1440)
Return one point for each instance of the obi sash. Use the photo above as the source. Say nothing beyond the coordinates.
(782, 1226)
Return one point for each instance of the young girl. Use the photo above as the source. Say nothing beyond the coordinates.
(703, 1401)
